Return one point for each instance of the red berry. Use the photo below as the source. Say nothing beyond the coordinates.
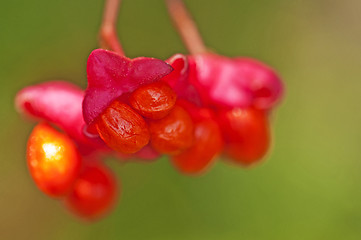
(207, 144)
(154, 100)
(197, 114)
(247, 134)
(173, 133)
(94, 192)
(122, 128)
(53, 160)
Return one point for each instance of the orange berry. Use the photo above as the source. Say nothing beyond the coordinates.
(207, 144)
(53, 160)
(94, 192)
(154, 100)
(173, 133)
(122, 128)
(247, 134)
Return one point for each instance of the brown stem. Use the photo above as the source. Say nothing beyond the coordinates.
(108, 35)
(186, 26)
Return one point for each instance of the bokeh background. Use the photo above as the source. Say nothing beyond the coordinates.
(310, 186)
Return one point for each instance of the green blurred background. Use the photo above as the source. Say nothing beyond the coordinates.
(310, 186)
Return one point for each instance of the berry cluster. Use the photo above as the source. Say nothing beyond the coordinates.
(65, 164)
(182, 113)
(192, 108)
(140, 108)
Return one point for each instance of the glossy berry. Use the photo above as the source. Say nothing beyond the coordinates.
(94, 192)
(52, 159)
(247, 135)
(207, 144)
(154, 100)
(122, 128)
(173, 133)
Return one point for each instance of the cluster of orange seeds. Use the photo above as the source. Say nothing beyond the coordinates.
(152, 115)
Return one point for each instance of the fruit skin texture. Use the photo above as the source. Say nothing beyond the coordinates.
(247, 134)
(122, 128)
(53, 160)
(207, 144)
(111, 75)
(154, 100)
(173, 133)
(94, 193)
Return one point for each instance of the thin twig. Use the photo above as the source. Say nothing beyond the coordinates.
(186, 26)
(108, 34)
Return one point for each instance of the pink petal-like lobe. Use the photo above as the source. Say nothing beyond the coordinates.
(264, 83)
(179, 79)
(111, 75)
(238, 82)
(57, 102)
